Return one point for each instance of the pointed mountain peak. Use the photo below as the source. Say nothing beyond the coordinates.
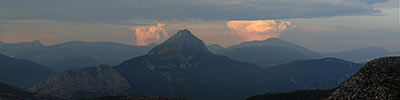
(183, 34)
(182, 43)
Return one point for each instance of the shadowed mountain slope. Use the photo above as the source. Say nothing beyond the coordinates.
(22, 73)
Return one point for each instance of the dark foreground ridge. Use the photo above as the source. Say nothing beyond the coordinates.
(132, 98)
(378, 80)
(297, 95)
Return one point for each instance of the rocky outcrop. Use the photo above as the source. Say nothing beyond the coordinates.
(85, 82)
(378, 80)
(8, 92)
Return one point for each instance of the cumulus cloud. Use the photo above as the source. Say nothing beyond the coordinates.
(150, 34)
(258, 29)
(106, 10)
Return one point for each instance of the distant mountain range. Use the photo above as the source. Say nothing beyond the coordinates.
(362, 55)
(22, 73)
(275, 51)
(73, 55)
(269, 52)
(265, 54)
(183, 67)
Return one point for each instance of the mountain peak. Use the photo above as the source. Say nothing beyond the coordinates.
(183, 43)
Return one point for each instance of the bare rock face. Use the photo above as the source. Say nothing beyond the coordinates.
(378, 80)
(85, 82)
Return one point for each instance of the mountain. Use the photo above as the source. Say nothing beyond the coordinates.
(74, 54)
(324, 73)
(362, 55)
(84, 82)
(183, 67)
(22, 50)
(269, 52)
(22, 73)
(214, 48)
(8, 92)
(296, 95)
(377, 80)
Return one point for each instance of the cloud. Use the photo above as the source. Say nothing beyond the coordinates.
(258, 29)
(150, 34)
(120, 10)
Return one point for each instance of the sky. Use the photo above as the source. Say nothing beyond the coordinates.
(321, 25)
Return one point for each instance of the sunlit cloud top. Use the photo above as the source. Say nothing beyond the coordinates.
(150, 34)
(258, 29)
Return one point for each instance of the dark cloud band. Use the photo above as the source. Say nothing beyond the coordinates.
(111, 10)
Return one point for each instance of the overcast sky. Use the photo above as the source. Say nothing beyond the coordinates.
(322, 25)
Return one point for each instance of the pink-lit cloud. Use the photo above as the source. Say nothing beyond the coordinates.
(150, 34)
(251, 30)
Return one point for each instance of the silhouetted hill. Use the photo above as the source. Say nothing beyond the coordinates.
(183, 67)
(378, 80)
(74, 54)
(324, 73)
(269, 52)
(297, 95)
(85, 82)
(22, 73)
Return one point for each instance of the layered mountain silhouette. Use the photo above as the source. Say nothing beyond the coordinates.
(22, 73)
(74, 54)
(378, 80)
(183, 67)
(275, 51)
(85, 82)
(269, 52)
(324, 73)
